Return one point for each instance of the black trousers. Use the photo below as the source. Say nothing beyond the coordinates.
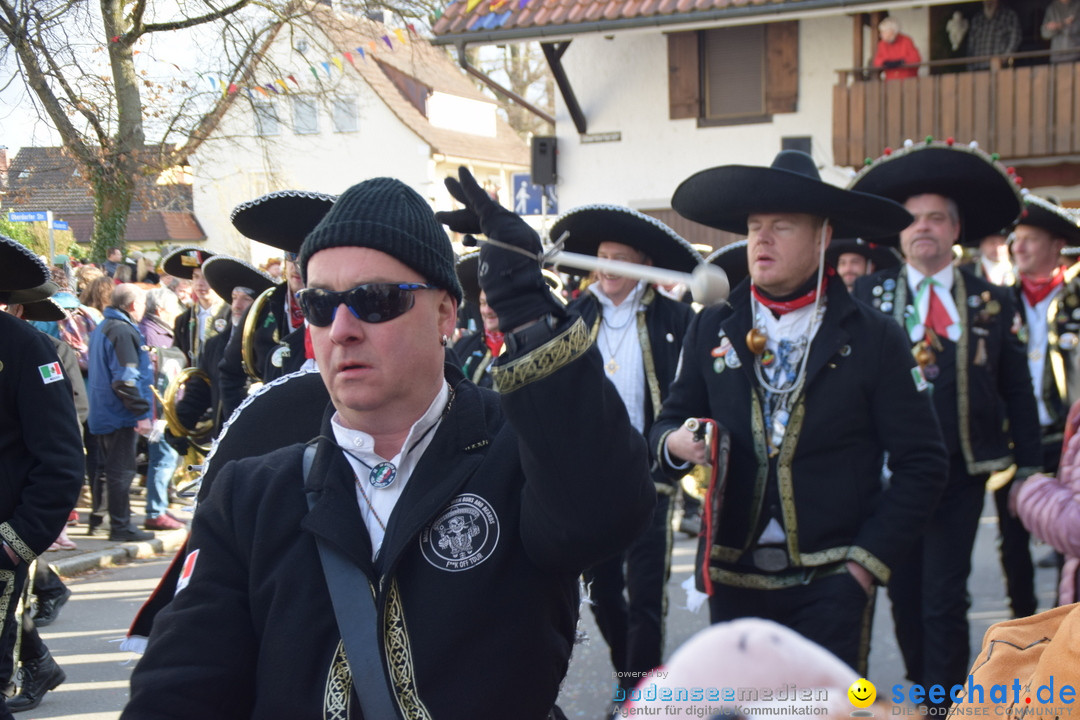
(110, 488)
(633, 623)
(834, 611)
(47, 584)
(12, 585)
(928, 588)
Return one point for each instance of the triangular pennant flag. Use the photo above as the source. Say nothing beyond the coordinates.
(363, 56)
(372, 46)
(293, 78)
(400, 35)
(262, 90)
(326, 67)
(313, 71)
(281, 82)
(270, 86)
(348, 56)
(470, 5)
(438, 13)
(233, 88)
(213, 82)
(412, 28)
(250, 94)
(337, 61)
(386, 39)
(522, 4)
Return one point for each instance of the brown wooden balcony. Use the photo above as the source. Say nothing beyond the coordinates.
(1018, 112)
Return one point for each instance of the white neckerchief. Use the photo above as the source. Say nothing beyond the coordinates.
(1037, 345)
(619, 333)
(943, 289)
(362, 445)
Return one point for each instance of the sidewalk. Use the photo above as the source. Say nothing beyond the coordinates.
(98, 551)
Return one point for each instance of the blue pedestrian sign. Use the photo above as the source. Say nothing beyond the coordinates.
(528, 197)
(28, 216)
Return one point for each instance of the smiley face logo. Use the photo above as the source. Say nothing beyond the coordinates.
(862, 693)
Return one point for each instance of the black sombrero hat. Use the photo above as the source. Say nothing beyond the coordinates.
(20, 268)
(986, 193)
(467, 266)
(882, 256)
(723, 197)
(282, 219)
(732, 259)
(1044, 213)
(225, 273)
(589, 225)
(183, 262)
(47, 310)
(32, 295)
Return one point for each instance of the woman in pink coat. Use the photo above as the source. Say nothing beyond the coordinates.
(1050, 508)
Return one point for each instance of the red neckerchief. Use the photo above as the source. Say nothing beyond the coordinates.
(309, 349)
(1037, 289)
(782, 307)
(296, 315)
(494, 340)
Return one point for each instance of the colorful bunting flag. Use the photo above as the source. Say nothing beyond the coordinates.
(326, 67)
(293, 78)
(337, 61)
(386, 39)
(400, 35)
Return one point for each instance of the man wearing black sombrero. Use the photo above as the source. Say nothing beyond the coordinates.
(963, 333)
(241, 283)
(638, 332)
(1048, 293)
(41, 456)
(208, 315)
(282, 220)
(852, 259)
(813, 389)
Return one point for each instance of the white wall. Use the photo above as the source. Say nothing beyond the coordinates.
(622, 86)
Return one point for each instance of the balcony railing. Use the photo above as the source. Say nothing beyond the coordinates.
(1018, 112)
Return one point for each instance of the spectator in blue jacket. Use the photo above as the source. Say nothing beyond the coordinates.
(119, 389)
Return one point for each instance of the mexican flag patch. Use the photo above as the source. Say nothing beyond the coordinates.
(51, 373)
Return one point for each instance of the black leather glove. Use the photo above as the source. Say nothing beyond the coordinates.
(510, 279)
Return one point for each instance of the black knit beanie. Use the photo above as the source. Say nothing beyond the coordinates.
(387, 215)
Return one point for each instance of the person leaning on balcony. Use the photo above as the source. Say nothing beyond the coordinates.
(994, 31)
(1061, 28)
(895, 49)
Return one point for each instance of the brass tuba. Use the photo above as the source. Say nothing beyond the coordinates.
(201, 433)
(251, 326)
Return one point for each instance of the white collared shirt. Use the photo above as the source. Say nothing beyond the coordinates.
(361, 449)
(1038, 343)
(943, 289)
(618, 341)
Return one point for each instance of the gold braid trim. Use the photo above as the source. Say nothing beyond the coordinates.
(16, 543)
(785, 476)
(544, 360)
(755, 581)
(399, 658)
(877, 568)
(338, 692)
(646, 351)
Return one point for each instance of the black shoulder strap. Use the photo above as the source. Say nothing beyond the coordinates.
(357, 619)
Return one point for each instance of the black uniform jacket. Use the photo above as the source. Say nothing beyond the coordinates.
(992, 385)
(473, 628)
(859, 400)
(661, 324)
(1061, 373)
(186, 332)
(473, 356)
(41, 455)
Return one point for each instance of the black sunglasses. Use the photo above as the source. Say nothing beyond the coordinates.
(373, 303)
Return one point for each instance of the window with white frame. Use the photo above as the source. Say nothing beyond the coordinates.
(345, 114)
(305, 115)
(266, 118)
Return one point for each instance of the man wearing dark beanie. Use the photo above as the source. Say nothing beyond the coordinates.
(431, 533)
